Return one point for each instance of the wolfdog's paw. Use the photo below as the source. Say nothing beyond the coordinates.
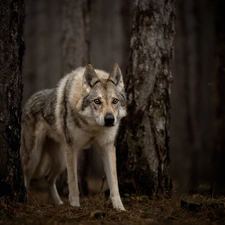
(61, 203)
(117, 203)
(121, 207)
(76, 204)
(74, 201)
(58, 202)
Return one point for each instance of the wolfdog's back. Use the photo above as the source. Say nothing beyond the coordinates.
(35, 105)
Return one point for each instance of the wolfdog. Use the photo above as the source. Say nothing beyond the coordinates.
(85, 108)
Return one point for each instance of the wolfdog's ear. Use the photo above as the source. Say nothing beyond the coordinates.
(90, 76)
(116, 77)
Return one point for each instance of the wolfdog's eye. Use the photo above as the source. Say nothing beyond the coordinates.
(115, 101)
(97, 101)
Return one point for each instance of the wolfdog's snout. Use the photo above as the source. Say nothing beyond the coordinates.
(109, 120)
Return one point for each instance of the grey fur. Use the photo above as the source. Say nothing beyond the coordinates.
(57, 123)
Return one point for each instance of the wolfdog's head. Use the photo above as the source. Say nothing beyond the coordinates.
(105, 100)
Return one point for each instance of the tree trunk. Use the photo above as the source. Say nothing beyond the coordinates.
(110, 39)
(75, 50)
(42, 33)
(143, 152)
(192, 110)
(12, 51)
(219, 154)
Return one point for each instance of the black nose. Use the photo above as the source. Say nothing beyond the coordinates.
(109, 120)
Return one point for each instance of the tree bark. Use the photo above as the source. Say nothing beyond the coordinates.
(143, 151)
(219, 154)
(12, 51)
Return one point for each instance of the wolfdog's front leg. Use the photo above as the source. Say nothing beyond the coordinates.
(109, 161)
(71, 158)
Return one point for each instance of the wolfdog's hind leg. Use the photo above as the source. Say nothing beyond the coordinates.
(35, 153)
(24, 154)
(57, 158)
(53, 191)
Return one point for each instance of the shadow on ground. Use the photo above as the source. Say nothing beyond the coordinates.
(186, 209)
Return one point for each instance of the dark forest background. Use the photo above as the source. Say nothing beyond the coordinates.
(196, 142)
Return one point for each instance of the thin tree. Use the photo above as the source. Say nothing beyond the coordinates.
(192, 113)
(42, 35)
(75, 36)
(11, 56)
(219, 154)
(143, 153)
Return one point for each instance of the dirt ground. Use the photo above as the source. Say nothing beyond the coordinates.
(186, 209)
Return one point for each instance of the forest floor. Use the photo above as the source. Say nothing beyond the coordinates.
(185, 209)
